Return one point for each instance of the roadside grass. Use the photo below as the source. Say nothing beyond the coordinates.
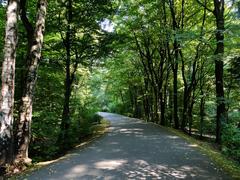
(100, 128)
(226, 164)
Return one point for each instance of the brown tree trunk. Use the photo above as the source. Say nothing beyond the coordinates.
(146, 100)
(162, 108)
(63, 139)
(175, 66)
(189, 113)
(185, 105)
(219, 52)
(175, 99)
(8, 82)
(25, 114)
(164, 101)
(202, 111)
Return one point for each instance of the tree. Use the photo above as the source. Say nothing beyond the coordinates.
(8, 83)
(174, 63)
(219, 52)
(65, 124)
(82, 44)
(221, 114)
(35, 43)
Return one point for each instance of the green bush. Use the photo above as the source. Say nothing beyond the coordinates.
(231, 141)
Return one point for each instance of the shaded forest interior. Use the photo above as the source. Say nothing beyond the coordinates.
(172, 62)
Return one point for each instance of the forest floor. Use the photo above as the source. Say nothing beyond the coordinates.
(132, 149)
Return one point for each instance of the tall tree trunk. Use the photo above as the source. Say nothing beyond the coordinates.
(146, 100)
(23, 135)
(131, 97)
(175, 98)
(170, 106)
(162, 108)
(164, 100)
(8, 82)
(66, 121)
(185, 105)
(29, 28)
(189, 113)
(156, 104)
(175, 66)
(63, 139)
(202, 111)
(219, 52)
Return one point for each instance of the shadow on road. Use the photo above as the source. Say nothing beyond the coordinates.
(133, 150)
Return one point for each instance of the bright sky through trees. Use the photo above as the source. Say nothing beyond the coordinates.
(107, 25)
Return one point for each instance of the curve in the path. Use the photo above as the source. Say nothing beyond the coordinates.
(133, 150)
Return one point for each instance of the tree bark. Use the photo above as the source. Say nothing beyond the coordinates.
(63, 139)
(23, 135)
(219, 52)
(202, 111)
(175, 66)
(8, 82)
(146, 100)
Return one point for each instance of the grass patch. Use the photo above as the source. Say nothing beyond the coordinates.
(228, 165)
(100, 128)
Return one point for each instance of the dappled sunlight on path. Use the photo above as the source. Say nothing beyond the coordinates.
(133, 150)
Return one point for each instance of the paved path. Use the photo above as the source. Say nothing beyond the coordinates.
(133, 150)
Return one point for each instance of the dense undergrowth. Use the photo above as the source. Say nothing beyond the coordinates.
(46, 149)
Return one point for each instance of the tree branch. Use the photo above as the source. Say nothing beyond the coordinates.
(205, 6)
(27, 24)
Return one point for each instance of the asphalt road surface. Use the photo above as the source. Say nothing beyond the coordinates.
(133, 150)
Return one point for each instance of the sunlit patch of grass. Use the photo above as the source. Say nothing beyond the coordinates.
(223, 162)
(100, 128)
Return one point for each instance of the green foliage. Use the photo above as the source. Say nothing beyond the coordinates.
(231, 141)
(147, 32)
(47, 113)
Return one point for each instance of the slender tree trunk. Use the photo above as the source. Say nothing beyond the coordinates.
(23, 135)
(185, 105)
(122, 96)
(189, 112)
(131, 97)
(162, 108)
(63, 138)
(170, 106)
(66, 121)
(202, 111)
(137, 103)
(219, 52)
(146, 101)
(175, 98)
(165, 99)
(29, 28)
(175, 66)
(8, 82)
(156, 108)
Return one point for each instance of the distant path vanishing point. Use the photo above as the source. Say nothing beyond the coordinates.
(132, 150)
